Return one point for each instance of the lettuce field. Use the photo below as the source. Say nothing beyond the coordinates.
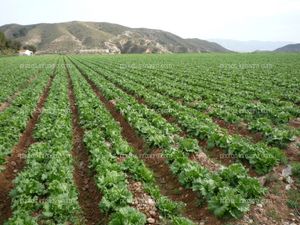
(177, 139)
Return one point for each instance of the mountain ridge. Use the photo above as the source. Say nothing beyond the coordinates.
(103, 37)
(289, 48)
(250, 45)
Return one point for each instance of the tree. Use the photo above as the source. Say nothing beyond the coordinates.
(8, 46)
(15, 45)
(2, 41)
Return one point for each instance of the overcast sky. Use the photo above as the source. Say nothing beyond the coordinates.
(266, 20)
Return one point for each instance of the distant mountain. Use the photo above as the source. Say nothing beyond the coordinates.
(85, 37)
(250, 46)
(289, 48)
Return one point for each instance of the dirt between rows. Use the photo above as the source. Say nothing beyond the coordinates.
(167, 182)
(89, 195)
(273, 209)
(240, 129)
(215, 154)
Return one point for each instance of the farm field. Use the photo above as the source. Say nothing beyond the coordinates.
(150, 139)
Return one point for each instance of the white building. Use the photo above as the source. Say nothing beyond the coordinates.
(25, 52)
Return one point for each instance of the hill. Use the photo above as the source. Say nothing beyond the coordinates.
(250, 46)
(289, 48)
(100, 37)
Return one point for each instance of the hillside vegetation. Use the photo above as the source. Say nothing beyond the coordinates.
(96, 37)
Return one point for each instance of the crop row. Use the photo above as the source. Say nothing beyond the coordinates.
(15, 75)
(229, 108)
(230, 191)
(200, 126)
(270, 80)
(44, 191)
(13, 120)
(106, 146)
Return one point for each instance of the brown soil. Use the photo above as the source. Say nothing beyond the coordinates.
(226, 159)
(140, 100)
(293, 150)
(214, 153)
(170, 187)
(9, 100)
(295, 123)
(6, 104)
(170, 119)
(166, 181)
(16, 161)
(217, 154)
(89, 195)
(204, 161)
(273, 208)
(240, 129)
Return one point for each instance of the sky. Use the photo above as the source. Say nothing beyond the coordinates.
(265, 20)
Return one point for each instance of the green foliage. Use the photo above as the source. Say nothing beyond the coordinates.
(15, 45)
(228, 203)
(188, 145)
(181, 221)
(2, 41)
(296, 169)
(251, 188)
(22, 218)
(293, 200)
(7, 44)
(191, 172)
(13, 120)
(188, 100)
(168, 207)
(129, 216)
(137, 168)
(115, 198)
(233, 173)
(48, 174)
